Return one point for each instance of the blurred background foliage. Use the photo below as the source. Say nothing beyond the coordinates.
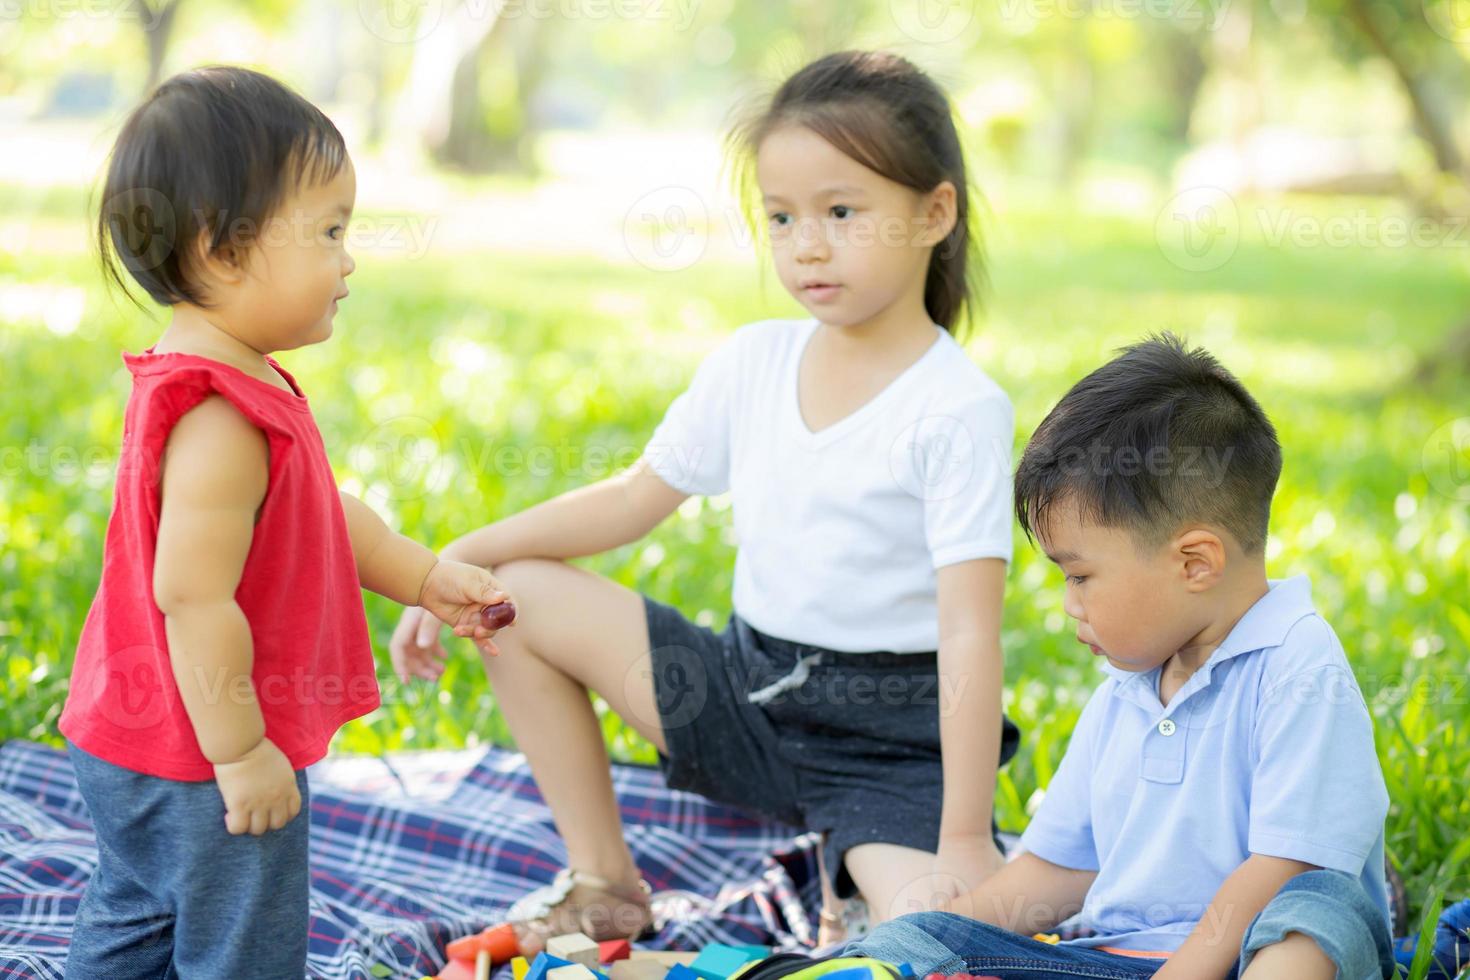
(547, 248)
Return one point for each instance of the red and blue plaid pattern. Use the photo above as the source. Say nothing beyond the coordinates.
(393, 879)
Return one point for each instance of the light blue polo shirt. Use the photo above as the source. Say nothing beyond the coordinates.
(1267, 749)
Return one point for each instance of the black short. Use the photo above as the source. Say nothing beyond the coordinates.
(847, 745)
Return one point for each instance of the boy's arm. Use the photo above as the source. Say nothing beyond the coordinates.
(1214, 945)
(1028, 895)
(971, 595)
(586, 521)
(214, 480)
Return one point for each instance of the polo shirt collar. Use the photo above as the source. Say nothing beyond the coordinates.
(1264, 626)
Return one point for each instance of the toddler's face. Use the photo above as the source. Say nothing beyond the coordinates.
(1130, 600)
(848, 243)
(296, 271)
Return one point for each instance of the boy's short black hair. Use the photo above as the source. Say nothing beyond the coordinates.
(214, 151)
(1158, 437)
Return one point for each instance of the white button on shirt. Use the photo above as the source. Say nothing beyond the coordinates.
(1266, 749)
(840, 532)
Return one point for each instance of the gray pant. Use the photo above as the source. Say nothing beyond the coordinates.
(175, 895)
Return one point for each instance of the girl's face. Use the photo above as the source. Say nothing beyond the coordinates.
(297, 269)
(849, 243)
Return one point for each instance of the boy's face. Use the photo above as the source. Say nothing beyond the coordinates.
(1131, 601)
(296, 271)
(847, 242)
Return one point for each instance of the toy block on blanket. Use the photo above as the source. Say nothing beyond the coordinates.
(574, 947)
(575, 971)
(718, 961)
(614, 950)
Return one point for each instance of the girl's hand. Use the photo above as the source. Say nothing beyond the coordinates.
(966, 862)
(259, 790)
(416, 648)
(456, 592)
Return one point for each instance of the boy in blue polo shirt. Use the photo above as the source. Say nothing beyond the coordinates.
(1219, 809)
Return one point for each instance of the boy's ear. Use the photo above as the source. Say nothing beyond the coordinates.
(1201, 556)
(222, 266)
(939, 213)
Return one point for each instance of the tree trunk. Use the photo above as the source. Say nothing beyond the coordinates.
(1428, 120)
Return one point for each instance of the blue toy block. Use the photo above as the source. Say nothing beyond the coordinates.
(904, 970)
(681, 972)
(544, 963)
(718, 961)
(755, 952)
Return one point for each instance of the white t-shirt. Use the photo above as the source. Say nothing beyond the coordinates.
(840, 532)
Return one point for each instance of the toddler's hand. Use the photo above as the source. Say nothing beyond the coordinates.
(259, 790)
(456, 593)
(416, 648)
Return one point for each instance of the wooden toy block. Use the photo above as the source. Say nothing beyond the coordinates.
(667, 957)
(574, 947)
(613, 950)
(681, 972)
(637, 969)
(482, 965)
(575, 971)
(519, 968)
(718, 961)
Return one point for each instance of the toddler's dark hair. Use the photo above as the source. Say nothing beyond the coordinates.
(212, 152)
(1157, 438)
(882, 111)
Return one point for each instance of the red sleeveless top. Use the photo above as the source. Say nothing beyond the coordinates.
(313, 668)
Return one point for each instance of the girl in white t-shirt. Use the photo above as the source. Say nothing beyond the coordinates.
(856, 690)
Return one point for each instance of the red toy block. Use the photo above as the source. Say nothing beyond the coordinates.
(613, 950)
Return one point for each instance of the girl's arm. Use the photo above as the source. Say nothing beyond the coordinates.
(585, 521)
(214, 480)
(971, 594)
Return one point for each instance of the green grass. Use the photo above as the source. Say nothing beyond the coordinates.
(488, 355)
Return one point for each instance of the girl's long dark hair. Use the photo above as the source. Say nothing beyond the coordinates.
(882, 111)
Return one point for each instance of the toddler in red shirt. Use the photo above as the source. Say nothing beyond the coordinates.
(227, 640)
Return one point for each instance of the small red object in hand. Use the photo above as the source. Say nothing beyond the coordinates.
(498, 616)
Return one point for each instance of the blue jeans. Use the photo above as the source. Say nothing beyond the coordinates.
(177, 896)
(1327, 906)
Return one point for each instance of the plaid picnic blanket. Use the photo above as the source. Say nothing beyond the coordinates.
(401, 866)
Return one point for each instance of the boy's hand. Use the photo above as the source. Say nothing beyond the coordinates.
(259, 790)
(456, 592)
(416, 648)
